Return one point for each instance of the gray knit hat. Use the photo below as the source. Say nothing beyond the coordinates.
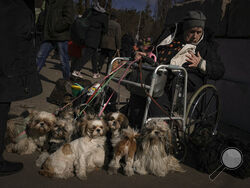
(194, 19)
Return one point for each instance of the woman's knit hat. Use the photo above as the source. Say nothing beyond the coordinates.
(194, 19)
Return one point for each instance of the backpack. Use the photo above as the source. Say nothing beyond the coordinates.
(62, 93)
(79, 29)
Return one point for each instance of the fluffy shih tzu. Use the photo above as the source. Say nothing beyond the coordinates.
(35, 129)
(65, 128)
(79, 156)
(126, 147)
(151, 156)
(60, 134)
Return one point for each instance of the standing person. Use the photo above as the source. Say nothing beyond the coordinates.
(191, 38)
(59, 15)
(111, 42)
(127, 45)
(98, 19)
(18, 76)
(39, 28)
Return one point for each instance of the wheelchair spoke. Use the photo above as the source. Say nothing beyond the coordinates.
(206, 116)
(209, 102)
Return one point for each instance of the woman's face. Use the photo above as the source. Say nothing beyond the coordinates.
(193, 35)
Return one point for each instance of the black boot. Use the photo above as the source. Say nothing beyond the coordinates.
(9, 168)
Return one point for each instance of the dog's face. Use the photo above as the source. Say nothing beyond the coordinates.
(82, 122)
(42, 122)
(59, 131)
(117, 120)
(96, 128)
(201, 136)
(157, 130)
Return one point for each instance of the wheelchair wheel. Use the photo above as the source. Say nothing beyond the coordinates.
(179, 148)
(203, 108)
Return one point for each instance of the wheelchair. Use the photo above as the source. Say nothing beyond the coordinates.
(188, 112)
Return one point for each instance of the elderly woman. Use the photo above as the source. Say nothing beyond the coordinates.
(188, 44)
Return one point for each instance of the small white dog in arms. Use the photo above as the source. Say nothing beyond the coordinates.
(151, 156)
(80, 156)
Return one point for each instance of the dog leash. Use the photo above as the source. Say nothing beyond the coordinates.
(103, 81)
(102, 86)
(119, 84)
(157, 104)
(86, 90)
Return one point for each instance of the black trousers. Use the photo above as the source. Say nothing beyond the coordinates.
(4, 110)
(103, 55)
(87, 54)
(137, 108)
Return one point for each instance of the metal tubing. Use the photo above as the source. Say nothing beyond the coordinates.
(151, 88)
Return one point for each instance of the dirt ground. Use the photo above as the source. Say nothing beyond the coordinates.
(29, 176)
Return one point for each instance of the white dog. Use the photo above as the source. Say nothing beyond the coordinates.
(151, 156)
(79, 156)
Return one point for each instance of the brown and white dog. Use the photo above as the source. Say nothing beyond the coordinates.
(34, 135)
(60, 134)
(79, 156)
(126, 147)
(151, 156)
(116, 122)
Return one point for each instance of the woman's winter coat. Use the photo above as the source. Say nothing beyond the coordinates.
(19, 78)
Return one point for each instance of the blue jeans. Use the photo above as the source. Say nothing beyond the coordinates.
(46, 48)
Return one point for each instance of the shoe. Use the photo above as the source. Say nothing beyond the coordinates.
(77, 74)
(96, 75)
(9, 168)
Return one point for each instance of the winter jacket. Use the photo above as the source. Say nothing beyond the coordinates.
(18, 76)
(207, 48)
(112, 39)
(59, 15)
(127, 45)
(98, 27)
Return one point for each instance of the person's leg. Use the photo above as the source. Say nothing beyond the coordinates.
(64, 57)
(42, 54)
(102, 58)
(6, 167)
(4, 109)
(194, 82)
(94, 62)
(86, 55)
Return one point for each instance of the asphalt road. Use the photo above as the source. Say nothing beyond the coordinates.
(29, 176)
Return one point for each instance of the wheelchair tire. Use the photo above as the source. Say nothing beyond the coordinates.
(179, 147)
(203, 108)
